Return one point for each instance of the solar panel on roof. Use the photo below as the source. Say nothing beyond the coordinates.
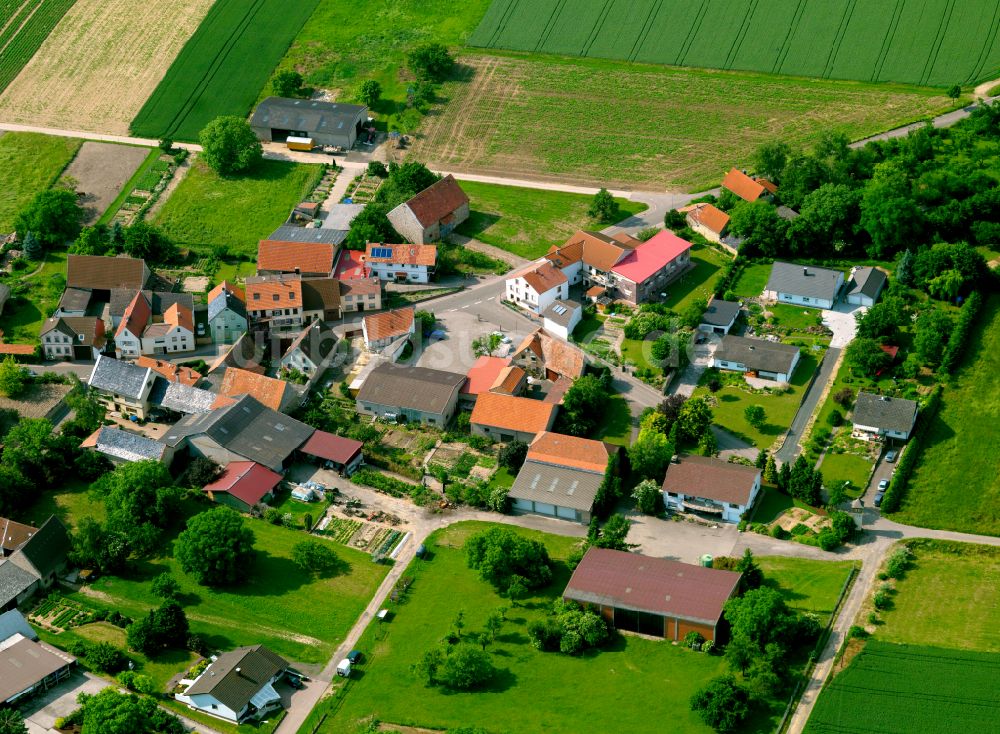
(559, 309)
(382, 252)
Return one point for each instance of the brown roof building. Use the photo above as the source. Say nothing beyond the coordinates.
(13, 535)
(321, 299)
(744, 186)
(571, 451)
(707, 485)
(433, 213)
(304, 258)
(268, 391)
(653, 596)
(706, 219)
(381, 329)
(542, 355)
(100, 273)
(170, 371)
(508, 418)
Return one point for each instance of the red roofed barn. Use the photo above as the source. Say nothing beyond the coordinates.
(433, 213)
(242, 485)
(339, 453)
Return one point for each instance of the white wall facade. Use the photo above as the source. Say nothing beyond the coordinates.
(389, 271)
(178, 339)
(731, 512)
(519, 292)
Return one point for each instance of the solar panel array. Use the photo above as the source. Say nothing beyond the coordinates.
(382, 252)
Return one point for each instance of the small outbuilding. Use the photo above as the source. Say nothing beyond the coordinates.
(562, 317)
(865, 286)
(326, 123)
(719, 317)
(242, 485)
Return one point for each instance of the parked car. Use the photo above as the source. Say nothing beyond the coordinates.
(890, 456)
(294, 681)
(879, 496)
(883, 485)
(355, 656)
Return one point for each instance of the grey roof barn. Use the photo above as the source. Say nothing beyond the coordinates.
(556, 485)
(416, 388)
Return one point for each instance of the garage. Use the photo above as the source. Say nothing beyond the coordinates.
(554, 491)
(326, 123)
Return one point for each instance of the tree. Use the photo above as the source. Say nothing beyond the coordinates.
(756, 416)
(287, 83)
(609, 490)
(427, 320)
(96, 547)
(431, 61)
(828, 216)
(708, 445)
(200, 471)
(753, 576)
(230, 145)
(163, 628)
(485, 345)
(466, 667)
(216, 548)
(517, 588)
(11, 722)
(770, 471)
(867, 357)
(13, 378)
(946, 286)
(106, 658)
(144, 241)
(32, 450)
(111, 712)
(888, 212)
(904, 268)
(648, 498)
(650, 455)
(92, 241)
(369, 93)
(316, 557)
(761, 461)
(723, 704)
(613, 534)
(604, 208)
(165, 586)
(33, 249)
(883, 320)
(694, 419)
(955, 91)
(512, 455)
(762, 230)
(583, 405)
(671, 408)
(499, 554)
(428, 666)
(770, 158)
(692, 315)
(740, 653)
(53, 217)
(88, 413)
(933, 331)
(141, 500)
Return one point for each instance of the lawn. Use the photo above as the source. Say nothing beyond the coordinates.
(921, 43)
(235, 271)
(616, 424)
(502, 478)
(795, 317)
(207, 211)
(806, 584)
(298, 616)
(649, 675)
(30, 163)
(697, 283)
(950, 596)
(527, 222)
(222, 67)
(70, 504)
(35, 297)
(838, 468)
(587, 326)
(752, 281)
(773, 503)
(956, 483)
(287, 505)
(733, 398)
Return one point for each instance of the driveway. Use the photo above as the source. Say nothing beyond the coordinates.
(790, 448)
(841, 321)
(883, 470)
(701, 358)
(41, 712)
(679, 540)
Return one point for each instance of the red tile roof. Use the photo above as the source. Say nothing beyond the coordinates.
(508, 380)
(389, 324)
(437, 201)
(333, 448)
(510, 413)
(542, 277)
(266, 390)
(708, 216)
(650, 257)
(483, 374)
(290, 257)
(136, 316)
(640, 583)
(742, 185)
(171, 371)
(18, 350)
(262, 289)
(245, 480)
(178, 315)
(13, 534)
(98, 272)
(711, 478)
(570, 451)
(404, 254)
(351, 265)
(229, 286)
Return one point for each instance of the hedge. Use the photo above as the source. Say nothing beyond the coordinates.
(956, 349)
(897, 487)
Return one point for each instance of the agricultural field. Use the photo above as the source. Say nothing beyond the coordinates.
(30, 163)
(956, 483)
(99, 65)
(100, 171)
(24, 26)
(223, 66)
(900, 689)
(931, 42)
(527, 222)
(207, 212)
(550, 118)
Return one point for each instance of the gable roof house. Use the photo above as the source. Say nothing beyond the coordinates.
(44, 554)
(242, 485)
(74, 302)
(415, 393)
(168, 398)
(174, 334)
(246, 353)
(274, 302)
(560, 477)
(121, 386)
(311, 352)
(227, 313)
(325, 123)
(653, 596)
(13, 535)
(865, 286)
(649, 267)
(401, 263)
(246, 430)
(27, 666)
(169, 371)
(804, 285)
(382, 329)
(321, 299)
(707, 220)
(877, 416)
(433, 213)
(309, 259)
(746, 187)
(237, 686)
(159, 302)
(757, 357)
(100, 274)
(713, 486)
(123, 447)
(587, 257)
(508, 418)
(719, 316)
(544, 356)
(561, 318)
(128, 336)
(537, 286)
(16, 585)
(66, 338)
(492, 374)
(360, 294)
(269, 391)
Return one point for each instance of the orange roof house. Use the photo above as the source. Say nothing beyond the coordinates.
(272, 292)
(746, 187)
(269, 391)
(483, 374)
(510, 381)
(171, 371)
(401, 254)
(227, 286)
(569, 451)
(433, 213)
(380, 329)
(179, 316)
(304, 258)
(137, 316)
(541, 354)
(708, 217)
(506, 418)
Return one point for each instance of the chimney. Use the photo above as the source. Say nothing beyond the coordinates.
(298, 270)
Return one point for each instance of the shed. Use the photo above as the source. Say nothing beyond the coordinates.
(242, 485)
(865, 286)
(342, 454)
(327, 123)
(719, 317)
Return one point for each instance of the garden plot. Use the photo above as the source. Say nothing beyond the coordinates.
(100, 63)
(99, 172)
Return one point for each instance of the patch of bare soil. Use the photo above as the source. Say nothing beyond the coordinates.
(100, 171)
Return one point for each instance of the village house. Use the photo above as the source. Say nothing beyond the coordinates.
(415, 394)
(707, 220)
(320, 299)
(169, 371)
(401, 263)
(756, 358)
(881, 416)
(865, 286)
(227, 313)
(561, 318)
(99, 275)
(719, 317)
(804, 285)
(747, 187)
(308, 259)
(68, 338)
(128, 336)
(560, 477)
(237, 686)
(35, 565)
(311, 352)
(382, 329)
(492, 374)
(174, 334)
(432, 214)
(123, 447)
(269, 391)
(274, 302)
(361, 294)
(711, 486)
(171, 400)
(158, 301)
(653, 596)
(544, 356)
(122, 387)
(536, 286)
(508, 418)
(243, 485)
(13, 535)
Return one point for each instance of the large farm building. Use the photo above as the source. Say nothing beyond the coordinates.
(327, 123)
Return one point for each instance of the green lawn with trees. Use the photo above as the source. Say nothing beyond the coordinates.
(752, 280)
(31, 163)
(698, 283)
(527, 222)
(807, 585)
(838, 468)
(616, 424)
(36, 294)
(228, 216)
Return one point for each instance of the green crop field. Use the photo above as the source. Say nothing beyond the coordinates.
(30, 163)
(23, 28)
(901, 689)
(223, 66)
(934, 42)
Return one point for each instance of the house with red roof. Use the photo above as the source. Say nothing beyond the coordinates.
(746, 187)
(647, 269)
(492, 374)
(335, 452)
(537, 286)
(433, 213)
(242, 485)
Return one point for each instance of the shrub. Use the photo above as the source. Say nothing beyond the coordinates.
(694, 640)
(835, 418)
(466, 667)
(499, 554)
(898, 562)
(881, 600)
(106, 658)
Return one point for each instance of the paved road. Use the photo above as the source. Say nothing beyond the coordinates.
(946, 120)
(790, 448)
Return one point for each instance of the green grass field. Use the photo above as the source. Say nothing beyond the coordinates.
(297, 616)
(23, 29)
(527, 222)
(901, 689)
(550, 117)
(36, 296)
(696, 283)
(807, 585)
(795, 317)
(616, 425)
(752, 280)
(222, 67)
(773, 503)
(30, 163)
(928, 42)
(956, 484)
(206, 211)
(838, 468)
(70, 504)
(649, 675)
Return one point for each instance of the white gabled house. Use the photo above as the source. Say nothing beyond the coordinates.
(537, 286)
(710, 486)
(804, 285)
(881, 416)
(238, 686)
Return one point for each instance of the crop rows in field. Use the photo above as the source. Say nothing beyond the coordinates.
(23, 28)
(900, 689)
(932, 42)
(223, 67)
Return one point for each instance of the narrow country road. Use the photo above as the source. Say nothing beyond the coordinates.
(827, 369)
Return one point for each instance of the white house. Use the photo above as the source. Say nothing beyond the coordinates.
(66, 338)
(401, 263)
(237, 686)
(311, 352)
(764, 359)
(866, 286)
(227, 313)
(710, 486)
(537, 287)
(562, 317)
(174, 334)
(128, 336)
(804, 285)
(877, 416)
(382, 329)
